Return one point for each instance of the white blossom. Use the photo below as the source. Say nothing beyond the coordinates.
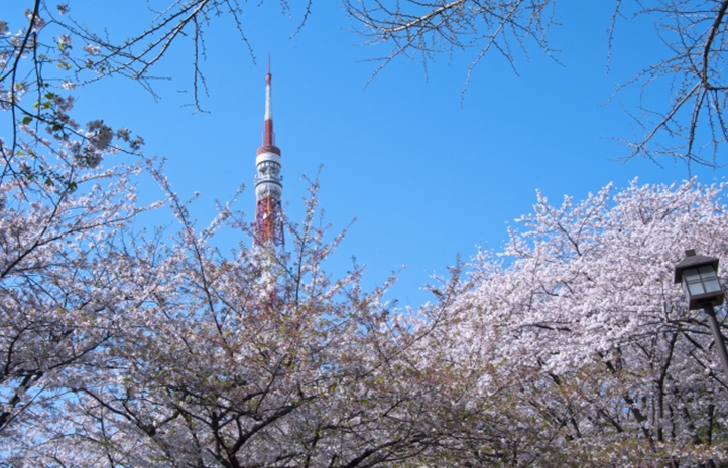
(92, 49)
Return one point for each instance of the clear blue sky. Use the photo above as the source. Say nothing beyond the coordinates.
(425, 178)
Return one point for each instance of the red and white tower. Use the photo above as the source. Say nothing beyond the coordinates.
(268, 182)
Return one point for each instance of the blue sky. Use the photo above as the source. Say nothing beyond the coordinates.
(426, 177)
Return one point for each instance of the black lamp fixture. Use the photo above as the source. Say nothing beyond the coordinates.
(699, 277)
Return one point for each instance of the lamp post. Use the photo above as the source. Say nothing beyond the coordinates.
(699, 277)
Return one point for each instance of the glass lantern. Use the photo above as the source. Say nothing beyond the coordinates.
(699, 277)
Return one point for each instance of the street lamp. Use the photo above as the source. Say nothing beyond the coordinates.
(699, 277)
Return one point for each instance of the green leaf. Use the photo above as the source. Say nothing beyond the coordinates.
(27, 119)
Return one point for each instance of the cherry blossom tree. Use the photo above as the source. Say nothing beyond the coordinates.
(261, 359)
(596, 359)
(68, 273)
(66, 282)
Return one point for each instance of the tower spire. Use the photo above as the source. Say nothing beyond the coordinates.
(268, 181)
(268, 118)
